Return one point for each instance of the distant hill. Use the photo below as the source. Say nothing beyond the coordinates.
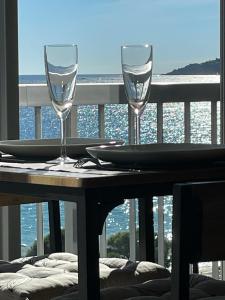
(211, 67)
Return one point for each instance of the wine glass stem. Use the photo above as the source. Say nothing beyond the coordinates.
(63, 138)
(137, 129)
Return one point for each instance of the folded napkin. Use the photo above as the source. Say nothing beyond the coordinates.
(89, 167)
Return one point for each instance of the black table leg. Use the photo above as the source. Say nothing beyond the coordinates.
(181, 243)
(146, 229)
(55, 227)
(88, 247)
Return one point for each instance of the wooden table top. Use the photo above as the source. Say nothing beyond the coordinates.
(101, 178)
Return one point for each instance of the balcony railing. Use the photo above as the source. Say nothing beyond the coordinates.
(162, 94)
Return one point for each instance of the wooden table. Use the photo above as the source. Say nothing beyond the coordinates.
(96, 195)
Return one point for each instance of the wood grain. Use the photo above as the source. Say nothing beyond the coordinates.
(86, 180)
(13, 199)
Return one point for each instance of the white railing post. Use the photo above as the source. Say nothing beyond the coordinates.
(40, 232)
(214, 122)
(215, 270)
(223, 270)
(187, 122)
(215, 264)
(101, 130)
(71, 123)
(132, 202)
(161, 246)
(132, 227)
(70, 209)
(159, 122)
(101, 120)
(39, 206)
(187, 137)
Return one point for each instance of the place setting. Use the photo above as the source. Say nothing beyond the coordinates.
(136, 62)
(61, 66)
(46, 150)
(40, 154)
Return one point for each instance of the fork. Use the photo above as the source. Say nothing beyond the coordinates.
(82, 161)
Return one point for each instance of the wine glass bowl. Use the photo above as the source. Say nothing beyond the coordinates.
(61, 65)
(136, 63)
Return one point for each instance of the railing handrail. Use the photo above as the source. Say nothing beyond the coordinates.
(113, 93)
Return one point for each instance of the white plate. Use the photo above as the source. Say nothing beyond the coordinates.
(159, 154)
(50, 148)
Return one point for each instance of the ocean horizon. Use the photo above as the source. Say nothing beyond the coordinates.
(117, 78)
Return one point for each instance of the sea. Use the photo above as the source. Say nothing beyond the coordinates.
(116, 126)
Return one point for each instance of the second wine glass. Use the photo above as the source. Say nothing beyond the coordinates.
(61, 64)
(136, 63)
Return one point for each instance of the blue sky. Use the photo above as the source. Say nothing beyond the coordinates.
(181, 31)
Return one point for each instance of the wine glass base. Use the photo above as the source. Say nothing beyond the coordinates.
(62, 160)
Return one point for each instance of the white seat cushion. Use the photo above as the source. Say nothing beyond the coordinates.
(201, 287)
(45, 277)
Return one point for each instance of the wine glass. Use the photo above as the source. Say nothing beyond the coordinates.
(136, 63)
(61, 64)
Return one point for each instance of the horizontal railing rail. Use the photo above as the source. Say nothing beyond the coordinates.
(104, 93)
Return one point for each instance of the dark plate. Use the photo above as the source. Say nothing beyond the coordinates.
(159, 154)
(50, 148)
